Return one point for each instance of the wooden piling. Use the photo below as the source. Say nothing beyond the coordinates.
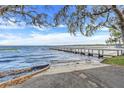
(117, 52)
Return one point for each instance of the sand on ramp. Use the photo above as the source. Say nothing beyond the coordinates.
(61, 75)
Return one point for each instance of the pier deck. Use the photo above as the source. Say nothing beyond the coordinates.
(100, 52)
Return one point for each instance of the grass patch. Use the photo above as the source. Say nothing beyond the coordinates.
(118, 60)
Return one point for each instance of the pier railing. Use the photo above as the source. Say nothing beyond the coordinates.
(101, 52)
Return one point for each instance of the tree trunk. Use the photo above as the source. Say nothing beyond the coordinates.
(121, 18)
(123, 34)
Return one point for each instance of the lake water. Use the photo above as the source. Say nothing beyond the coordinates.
(19, 57)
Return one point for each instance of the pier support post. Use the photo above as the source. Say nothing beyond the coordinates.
(122, 52)
(117, 52)
(88, 52)
(99, 55)
(84, 51)
(92, 53)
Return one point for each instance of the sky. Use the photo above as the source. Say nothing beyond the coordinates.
(30, 35)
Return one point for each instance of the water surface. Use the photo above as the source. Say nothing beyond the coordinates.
(20, 57)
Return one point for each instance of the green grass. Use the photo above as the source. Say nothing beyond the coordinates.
(119, 60)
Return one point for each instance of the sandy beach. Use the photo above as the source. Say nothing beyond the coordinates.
(69, 67)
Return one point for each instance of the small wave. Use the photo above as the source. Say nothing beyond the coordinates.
(49, 57)
(32, 61)
(3, 61)
(42, 57)
(8, 49)
(36, 58)
(33, 55)
(13, 56)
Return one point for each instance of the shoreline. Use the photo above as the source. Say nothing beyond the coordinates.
(64, 68)
(70, 67)
(53, 69)
(21, 79)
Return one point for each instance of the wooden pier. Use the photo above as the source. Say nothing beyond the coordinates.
(101, 52)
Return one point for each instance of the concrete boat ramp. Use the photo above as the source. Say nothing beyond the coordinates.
(77, 75)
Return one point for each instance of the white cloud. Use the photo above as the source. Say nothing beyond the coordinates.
(11, 27)
(51, 39)
(8, 36)
(22, 26)
(43, 28)
(4, 24)
(61, 26)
